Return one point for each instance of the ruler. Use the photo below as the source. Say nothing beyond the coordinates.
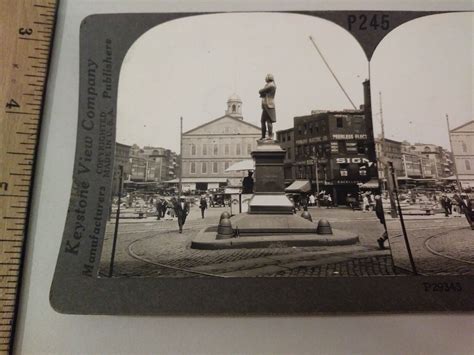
(26, 32)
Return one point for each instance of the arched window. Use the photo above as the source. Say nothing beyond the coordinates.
(233, 108)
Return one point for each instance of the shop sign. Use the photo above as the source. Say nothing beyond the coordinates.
(345, 182)
(318, 139)
(355, 160)
(349, 136)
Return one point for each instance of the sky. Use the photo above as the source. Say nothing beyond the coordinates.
(189, 67)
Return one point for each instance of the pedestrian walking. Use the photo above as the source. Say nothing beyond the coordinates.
(203, 205)
(181, 209)
(159, 206)
(446, 205)
(304, 202)
(329, 200)
(164, 207)
(381, 216)
(466, 205)
(312, 200)
(365, 203)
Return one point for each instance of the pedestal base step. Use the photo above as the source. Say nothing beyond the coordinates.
(270, 204)
(269, 224)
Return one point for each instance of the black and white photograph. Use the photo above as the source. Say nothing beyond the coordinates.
(271, 145)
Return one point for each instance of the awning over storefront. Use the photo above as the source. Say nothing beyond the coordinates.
(469, 184)
(371, 184)
(299, 186)
(197, 180)
(451, 178)
(247, 164)
(232, 190)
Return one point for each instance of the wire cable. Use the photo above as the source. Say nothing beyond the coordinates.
(334, 75)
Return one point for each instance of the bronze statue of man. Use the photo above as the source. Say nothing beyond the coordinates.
(268, 106)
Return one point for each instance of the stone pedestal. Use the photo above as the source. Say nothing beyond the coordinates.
(270, 221)
(269, 196)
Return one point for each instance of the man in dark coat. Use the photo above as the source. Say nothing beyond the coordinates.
(164, 207)
(466, 206)
(159, 205)
(446, 205)
(381, 216)
(268, 106)
(181, 209)
(203, 205)
(247, 184)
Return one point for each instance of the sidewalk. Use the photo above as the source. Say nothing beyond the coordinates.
(424, 217)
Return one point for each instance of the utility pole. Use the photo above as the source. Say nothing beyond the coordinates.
(452, 151)
(332, 72)
(384, 167)
(316, 172)
(402, 223)
(117, 219)
(180, 183)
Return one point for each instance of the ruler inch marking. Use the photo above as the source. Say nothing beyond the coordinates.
(28, 28)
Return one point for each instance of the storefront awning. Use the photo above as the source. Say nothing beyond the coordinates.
(299, 186)
(371, 184)
(247, 164)
(232, 190)
(187, 180)
(467, 184)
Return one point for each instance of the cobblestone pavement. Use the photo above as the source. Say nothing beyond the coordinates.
(443, 246)
(377, 265)
(154, 248)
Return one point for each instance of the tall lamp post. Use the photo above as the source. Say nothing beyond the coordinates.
(316, 173)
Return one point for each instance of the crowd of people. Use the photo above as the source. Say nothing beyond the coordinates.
(168, 208)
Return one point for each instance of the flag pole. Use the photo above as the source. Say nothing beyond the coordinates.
(452, 151)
